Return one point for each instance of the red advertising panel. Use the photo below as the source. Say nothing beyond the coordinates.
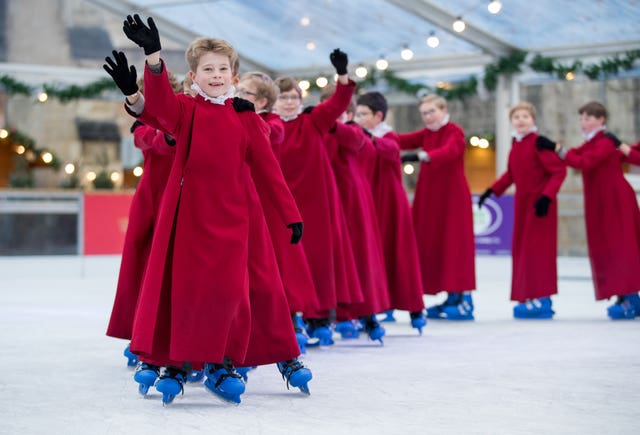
(106, 216)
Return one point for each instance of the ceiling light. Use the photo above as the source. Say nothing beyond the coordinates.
(305, 21)
(432, 40)
(459, 25)
(382, 63)
(311, 46)
(321, 82)
(406, 53)
(494, 6)
(361, 71)
(304, 84)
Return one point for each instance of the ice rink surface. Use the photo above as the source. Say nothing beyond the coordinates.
(576, 374)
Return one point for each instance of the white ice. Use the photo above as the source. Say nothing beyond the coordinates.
(576, 374)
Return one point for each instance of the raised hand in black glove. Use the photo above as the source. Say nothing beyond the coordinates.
(542, 206)
(409, 157)
(487, 193)
(119, 70)
(339, 60)
(544, 143)
(296, 232)
(138, 32)
(614, 138)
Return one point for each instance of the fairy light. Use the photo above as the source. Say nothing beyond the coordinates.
(69, 168)
(304, 85)
(406, 53)
(322, 81)
(47, 157)
(137, 171)
(474, 141)
(433, 41)
(494, 6)
(305, 21)
(483, 143)
(459, 25)
(91, 175)
(20, 149)
(311, 46)
(570, 75)
(361, 71)
(4, 133)
(382, 64)
(115, 176)
(42, 97)
(408, 169)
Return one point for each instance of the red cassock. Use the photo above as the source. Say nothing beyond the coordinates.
(534, 246)
(194, 303)
(292, 261)
(399, 247)
(307, 169)
(344, 145)
(158, 158)
(634, 155)
(611, 217)
(442, 212)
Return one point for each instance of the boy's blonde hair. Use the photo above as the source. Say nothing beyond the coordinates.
(204, 45)
(173, 80)
(265, 87)
(436, 99)
(285, 84)
(594, 108)
(523, 105)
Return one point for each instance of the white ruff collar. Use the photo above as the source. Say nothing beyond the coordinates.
(381, 129)
(215, 100)
(444, 122)
(517, 136)
(288, 118)
(591, 134)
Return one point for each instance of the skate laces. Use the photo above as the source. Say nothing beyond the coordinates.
(230, 371)
(176, 374)
(288, 368)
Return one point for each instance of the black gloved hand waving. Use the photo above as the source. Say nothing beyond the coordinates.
(339, 60)
(145, 36)
(409, 157)
(123, 75)
(544, 143)
(487, 193)
(542, 206)
(614, 138)
(296, 232)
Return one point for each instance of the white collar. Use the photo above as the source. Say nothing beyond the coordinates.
(591, 134)
(444, 122)
(517, 136)
(380, 129)
(288, 118)
(215, 100)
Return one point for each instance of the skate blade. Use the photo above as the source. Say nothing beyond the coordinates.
(224, 397)
(304, 389)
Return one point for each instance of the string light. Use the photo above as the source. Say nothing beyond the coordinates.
(474, 141)
(459, 25)
(494, 6)
(4, 133)
(20, 149)
(311, 46)
(432, 40)
(47, 157)
(42, 97)
(483, 143)
(570, 75)
(305, 21)
(406, 53)
(137, 171)
(382, 63)
(115, 176)
(304, 85)
(91, 175)
(69, 168)
(361, 71)
(408, 169)
(322, 81)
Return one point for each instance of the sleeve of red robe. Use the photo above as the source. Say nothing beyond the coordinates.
(580, 158)
(634, 155)
(324, 115)
(410, 141)
(350, 137)
(452, 148)
(558, 170)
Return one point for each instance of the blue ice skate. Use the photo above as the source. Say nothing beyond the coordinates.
(195, 376)
(301, 333)
(437, 311)
(296, 374)
(319, 329)
(537, 308)
(418, 320)
(145, 376)
(224, 381)
(347, 330)
(171, 383)
(462, 309)
(624, 308)
(244, 372)
(132, 358)
(388, 316)
(373, 328)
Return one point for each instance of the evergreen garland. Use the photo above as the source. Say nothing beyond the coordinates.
(64, 94)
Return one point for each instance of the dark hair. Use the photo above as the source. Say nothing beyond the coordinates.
(374, 101)
(594, 108)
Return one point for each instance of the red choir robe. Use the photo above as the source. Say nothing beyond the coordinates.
(158, 158)
(611, 217)
(292, 261)
(307, 169)
(344, 144)
(399, 247)
(442, 211)
(534, 246)
(634, 155)
(194, 304)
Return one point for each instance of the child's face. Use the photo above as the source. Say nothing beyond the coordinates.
(288, 103)
(588, 123)
(432, 115)
(522, 121)
(213, 75)
(366, 118)
(247, 89)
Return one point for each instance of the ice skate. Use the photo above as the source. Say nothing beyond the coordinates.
(301, 333)
(224, 381)
(320, 330)
(373, 328)
(195, 376)
(170, 383)
(244, 372)
(624, 308)
(296, 374)
(388, 316)
(437, 311)
(418, 321)
(132, 358)
(461, 309)
(347, 329)
(145, 376)
(537, 308)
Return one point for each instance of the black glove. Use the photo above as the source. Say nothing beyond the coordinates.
(169, 140)
(339, 60)
(544, 143)
(487, 193)
(542, 206)
(119, 70)
(135, 125)
(296, 232)
(614, 138)
(242, 105)
(367, 132)
(138, 32)
(409, 157)
(308, 109)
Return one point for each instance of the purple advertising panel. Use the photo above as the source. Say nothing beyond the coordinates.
(493, 225)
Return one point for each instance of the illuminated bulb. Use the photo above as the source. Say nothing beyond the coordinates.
(433, 41)
(137, 171)
(69, 168)
(494, 6)
(570, 75)
(408, 169)
(304, 84)
(47, 157)
(3, 133)
(311, 45)
(115, 176)
(361, 72)
(20, 149)
(91, 175)
(406, 53)
(42, 97)
(382, 64)
(483, 143)
(321, 82)
(474, 141)
(305, 21)
(459, 25)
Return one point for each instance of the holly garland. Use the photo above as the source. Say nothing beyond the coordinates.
(25, 146)
(64, 94)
